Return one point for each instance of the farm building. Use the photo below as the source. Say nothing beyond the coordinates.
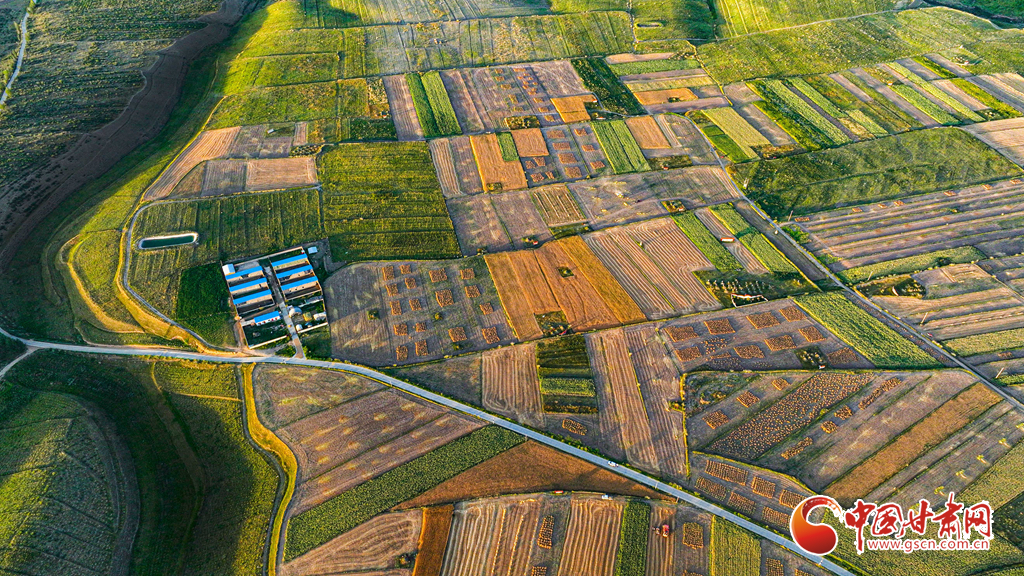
(290, 261)
(262, 318)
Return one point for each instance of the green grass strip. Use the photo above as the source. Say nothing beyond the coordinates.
(937, 69)
(805, 111)
(648, 66)
(568, 386)
(421, 101)
(706, 242)
(509, 153)
(881, 345)
(440, 104)
(985, 343)
(817, 97)
(732, 220)
(620, 147)
(911, 264)
(930, 88)
(925, 105)
(631, 558)
(976, 92)
(870, 125)
(733, 550)
(768, 254)
(316, 526)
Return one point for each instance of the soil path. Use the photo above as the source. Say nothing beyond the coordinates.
(33, 197)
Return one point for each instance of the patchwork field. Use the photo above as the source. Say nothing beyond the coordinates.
(562, 278)
(843, 445)
(1006, 136)
(915, 232)
(385, 313)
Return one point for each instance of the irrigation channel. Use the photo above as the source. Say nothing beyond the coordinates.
(372, 374)
(21, 56)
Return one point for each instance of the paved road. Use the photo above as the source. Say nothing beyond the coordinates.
(21, 56)
(638, 477)
(893, 321)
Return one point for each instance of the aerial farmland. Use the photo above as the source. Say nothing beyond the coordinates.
(511, 287)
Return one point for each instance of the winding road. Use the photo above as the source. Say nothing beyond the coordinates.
(372, 374)
(21, 56)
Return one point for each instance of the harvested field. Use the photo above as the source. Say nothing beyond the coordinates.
(539, 468)
(667, 96)
(288, 394)
(928, 432)
(371, 545)
(557, 206)
(530, 142)
(208, 145)
(1006, 136)
(403, 111)
(517, 304)
(757, 435)
(365, 310)
(278, 173)
(478, 225)
(625, 415)
(985, 217)
(647, 133)
(573, 108)
(618, 301)
(577, 297)
(492, 534)
(433, 540)
(219, 177)
(654, 261)
(496, 174)
(375, 461)
(510, 385)
(444, 164)
(592, 537)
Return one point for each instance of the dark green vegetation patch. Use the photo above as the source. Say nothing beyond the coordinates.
(912, 163)
(203, 299)
(205, 494)
(566, 380)
(631, 558)
(611, 93)
(383, 201)
(881, 345)
(350, 509)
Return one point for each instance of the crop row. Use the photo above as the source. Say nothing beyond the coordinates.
(317, 525)
(706, 242)
(620, 147)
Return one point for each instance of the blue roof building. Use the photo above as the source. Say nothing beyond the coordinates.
(238, 288)
(252, 297)
(289, 261)
(294, 271)
(265, 318)
(299, 284)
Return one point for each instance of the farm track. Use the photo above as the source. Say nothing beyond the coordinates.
(355, 369)
(23, 33)
(816, 268)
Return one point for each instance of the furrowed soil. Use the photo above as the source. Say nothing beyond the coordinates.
(538, 469)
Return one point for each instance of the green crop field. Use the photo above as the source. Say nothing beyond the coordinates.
(403, 48)
(879, 115)
(631, 557)
(648, 66)
(925, 105)
(734, 150)
(660, 24)
(202, 303)
(911, 264)
(277, 104)
(881, 345)
(229, 227)
(756, 242)
(620, 147)
(204, 457)
(934, 91)
(383, 201)
(821, 131)
(842, 44)
(985, 343)
(509, 152)
(912, 163)
(734, 551)
(566, 380)
(707, 243)
(749, 16)
(440, 105)
(611, 93)
(341, 513)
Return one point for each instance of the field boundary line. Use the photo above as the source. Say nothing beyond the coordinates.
(435, 398)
